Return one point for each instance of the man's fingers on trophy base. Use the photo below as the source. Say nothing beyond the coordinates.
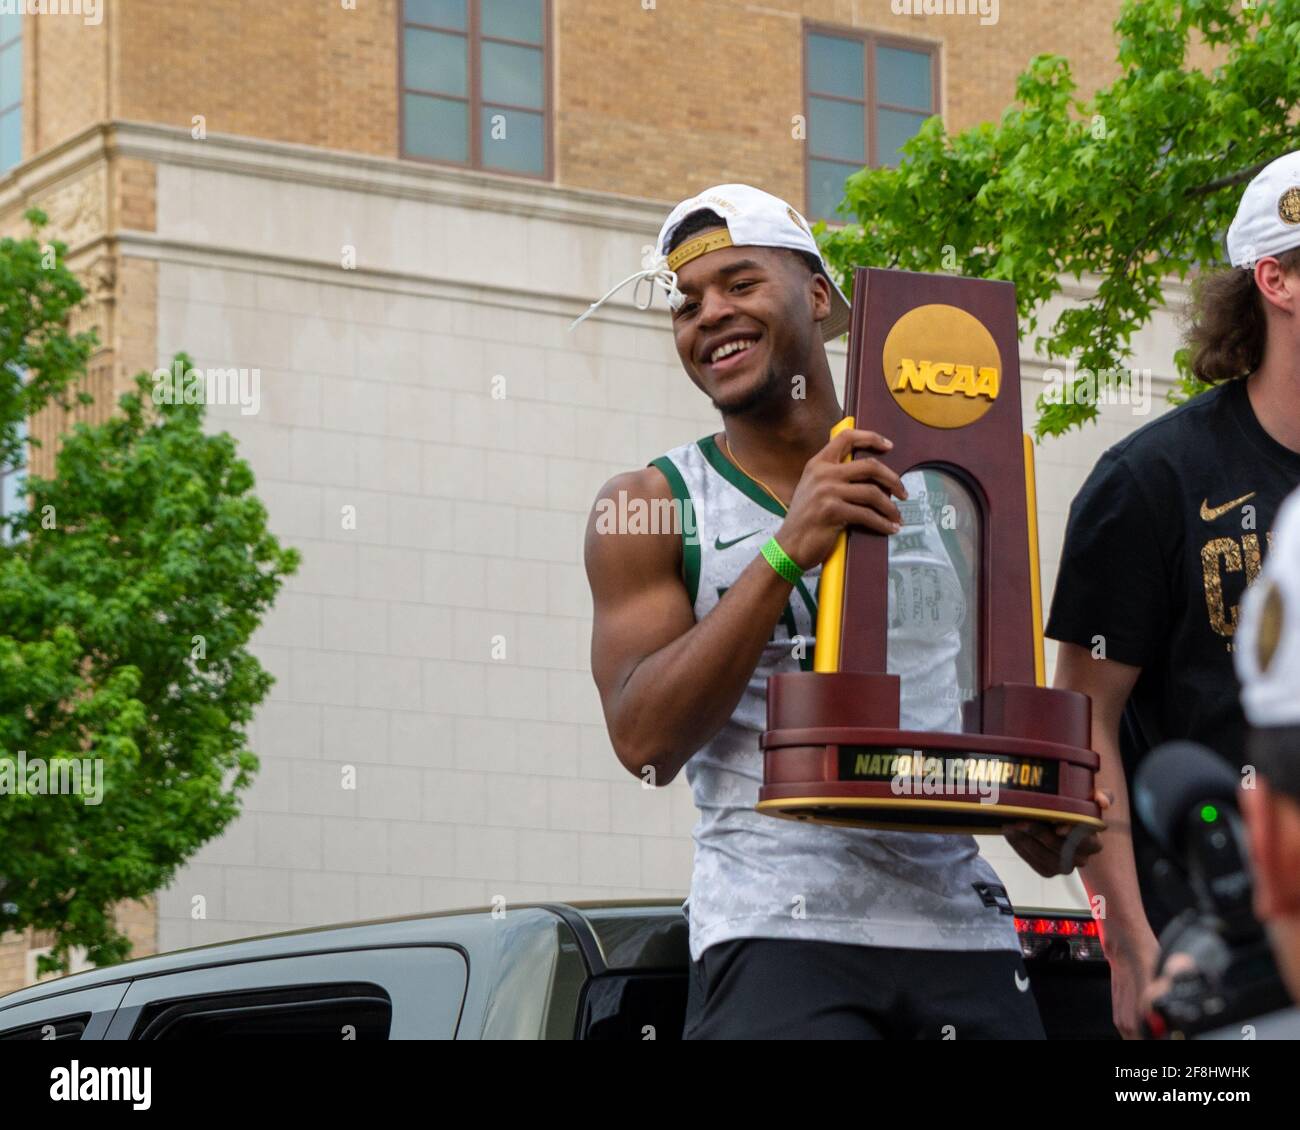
(1076, 847)
(1040, 834)
(1052, 851)
(1042, 859)
(1089, 847)
(1089, 839)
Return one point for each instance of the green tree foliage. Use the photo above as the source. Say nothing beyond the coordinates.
(1127, 189)
(129, 588)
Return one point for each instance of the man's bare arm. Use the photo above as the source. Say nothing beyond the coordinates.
(1111, 873)
(668, 684)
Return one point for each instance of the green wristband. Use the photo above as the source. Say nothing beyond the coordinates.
(781, 561)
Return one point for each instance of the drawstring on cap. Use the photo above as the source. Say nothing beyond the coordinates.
(657, 273)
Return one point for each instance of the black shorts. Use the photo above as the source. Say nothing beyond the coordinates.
(786, 989)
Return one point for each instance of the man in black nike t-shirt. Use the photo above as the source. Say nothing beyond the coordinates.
(1162, 540)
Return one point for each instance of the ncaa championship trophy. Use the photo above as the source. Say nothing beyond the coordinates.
(925, 709)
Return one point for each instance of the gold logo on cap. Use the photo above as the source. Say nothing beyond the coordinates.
(1288, 205)
(700, 245)
(1270, 626)
(795, 217)
(942, 366)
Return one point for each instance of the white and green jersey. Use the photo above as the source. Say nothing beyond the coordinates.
(757, 876)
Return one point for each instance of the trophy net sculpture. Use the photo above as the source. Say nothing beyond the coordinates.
(926, 708)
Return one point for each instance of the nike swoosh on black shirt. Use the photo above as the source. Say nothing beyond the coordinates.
(1209, 515)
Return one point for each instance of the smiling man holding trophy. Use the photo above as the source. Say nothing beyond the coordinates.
(834, 893)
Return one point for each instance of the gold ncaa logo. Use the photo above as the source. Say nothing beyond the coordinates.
(942, 366)
(1288, 205)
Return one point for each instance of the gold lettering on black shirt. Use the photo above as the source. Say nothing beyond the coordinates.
(1223, 621)
(1225, 555)
(1251, 544)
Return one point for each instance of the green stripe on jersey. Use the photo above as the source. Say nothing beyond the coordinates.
(690, 542)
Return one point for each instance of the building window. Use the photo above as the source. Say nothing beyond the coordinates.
(11, 91)
(865, 95)
(475, 84)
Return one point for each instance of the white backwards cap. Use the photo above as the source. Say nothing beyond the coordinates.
(753, 218)
(1267, 651)
(1268, 217)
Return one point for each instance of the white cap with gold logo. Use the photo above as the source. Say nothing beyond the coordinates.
(1267, 651)
(753, 218)
(1268, 217)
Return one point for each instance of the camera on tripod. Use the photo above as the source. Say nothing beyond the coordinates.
(1187, 798)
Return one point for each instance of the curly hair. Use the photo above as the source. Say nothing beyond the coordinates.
(1227, 329)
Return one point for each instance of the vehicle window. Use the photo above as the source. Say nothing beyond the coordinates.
(47, 1014)
(316, 1012)
(382, 993)
(634, 1006)
(64, 1028)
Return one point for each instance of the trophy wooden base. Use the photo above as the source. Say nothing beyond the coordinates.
(833, 754)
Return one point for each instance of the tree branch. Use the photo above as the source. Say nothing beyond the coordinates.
(1228, 181)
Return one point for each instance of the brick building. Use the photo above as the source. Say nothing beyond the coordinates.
(391, 210)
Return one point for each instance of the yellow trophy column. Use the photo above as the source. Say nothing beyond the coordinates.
(1035, 584)
(830, 593)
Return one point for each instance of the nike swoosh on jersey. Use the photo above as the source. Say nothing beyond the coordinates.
(718, 543)
(1209, 515)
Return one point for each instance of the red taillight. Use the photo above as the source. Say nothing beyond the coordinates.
(1063, 927)
(1081, 936)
